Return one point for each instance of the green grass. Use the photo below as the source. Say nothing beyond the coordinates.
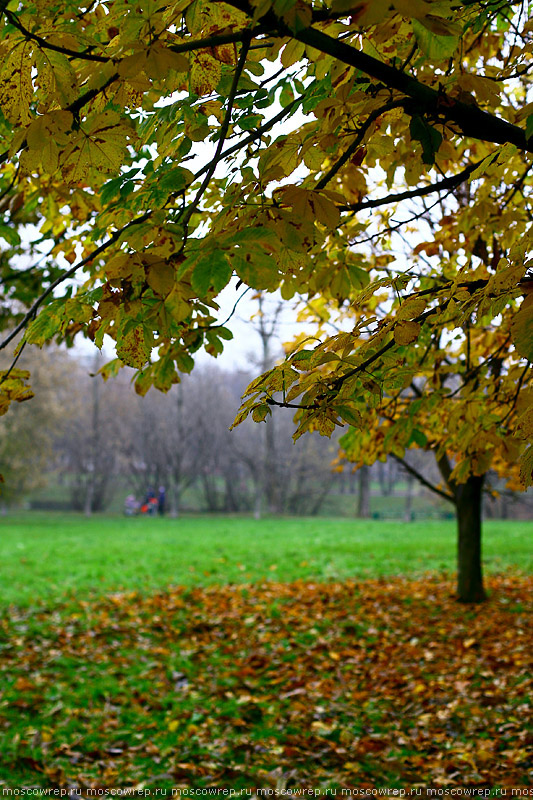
(47, 555)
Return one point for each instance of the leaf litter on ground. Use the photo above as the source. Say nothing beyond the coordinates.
(386, 682)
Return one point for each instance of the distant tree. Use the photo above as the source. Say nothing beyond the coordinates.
(363, 500)
(90, 444)
(27, 433)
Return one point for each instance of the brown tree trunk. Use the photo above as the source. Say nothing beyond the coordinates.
(468, 503)
(408, 510)
(363, 502)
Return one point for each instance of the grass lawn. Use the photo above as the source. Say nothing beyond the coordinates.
(270, 664)
(45, 555)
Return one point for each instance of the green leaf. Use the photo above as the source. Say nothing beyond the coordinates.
(419, 438)
(255, 268)
(174, 179)
(429, 138)
(359, 278)
(250, 122)
(225, 333)
(184, 361)
(260, 412)
(10, 235)
(349, 415)
(435, 47)
(211, 272)
(47, 324)
(286, 96)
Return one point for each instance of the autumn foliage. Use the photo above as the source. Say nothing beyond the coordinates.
(372, 160)
(359, 684)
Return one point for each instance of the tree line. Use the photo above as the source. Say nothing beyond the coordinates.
(97, 440)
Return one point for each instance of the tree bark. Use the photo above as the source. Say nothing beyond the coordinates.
(363, 503)
(408, 510)
(174, 492)
(468, 504)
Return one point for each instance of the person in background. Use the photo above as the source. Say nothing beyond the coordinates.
(131, 505)
(161, 501)
(150, 503)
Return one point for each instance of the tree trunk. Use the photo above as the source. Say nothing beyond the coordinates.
(89, 497)
(408, 511)
(468, 503)
(270, 472)
(363, 503)
(174, 492)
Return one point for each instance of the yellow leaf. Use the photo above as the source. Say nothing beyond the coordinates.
(313, 156)
(522, 329)
(351, 766)
(524, 423)
(132, 65)
(292, 52)
(364, 13)
(325, 426)
(16, 88)
(56, 73)
(44, 136)
(526, 467)
(13, 388)
(96, 150)
(205, 73)
(173, 725)
(124, 265)
(406, 332)
(225, 53)
(160, 278)
(412, 307)
(132, 348)
(209, 18)
(177, 306)
(161, 59)
(326, 212)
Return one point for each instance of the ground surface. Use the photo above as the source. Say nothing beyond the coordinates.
(307, 682)
(45, 555)
(372, 683)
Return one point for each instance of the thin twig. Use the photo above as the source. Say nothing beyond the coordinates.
(13, 363)
(361, 132)
(223, 131)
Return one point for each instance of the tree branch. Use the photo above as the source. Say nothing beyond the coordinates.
(256, 134)
(472, 120)
(420, 478)
(444, 185)
(223, 130)
(34, 37)
(445, 468)
(218, 39)
(68, 274)
(363, 128)
(196, 44)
